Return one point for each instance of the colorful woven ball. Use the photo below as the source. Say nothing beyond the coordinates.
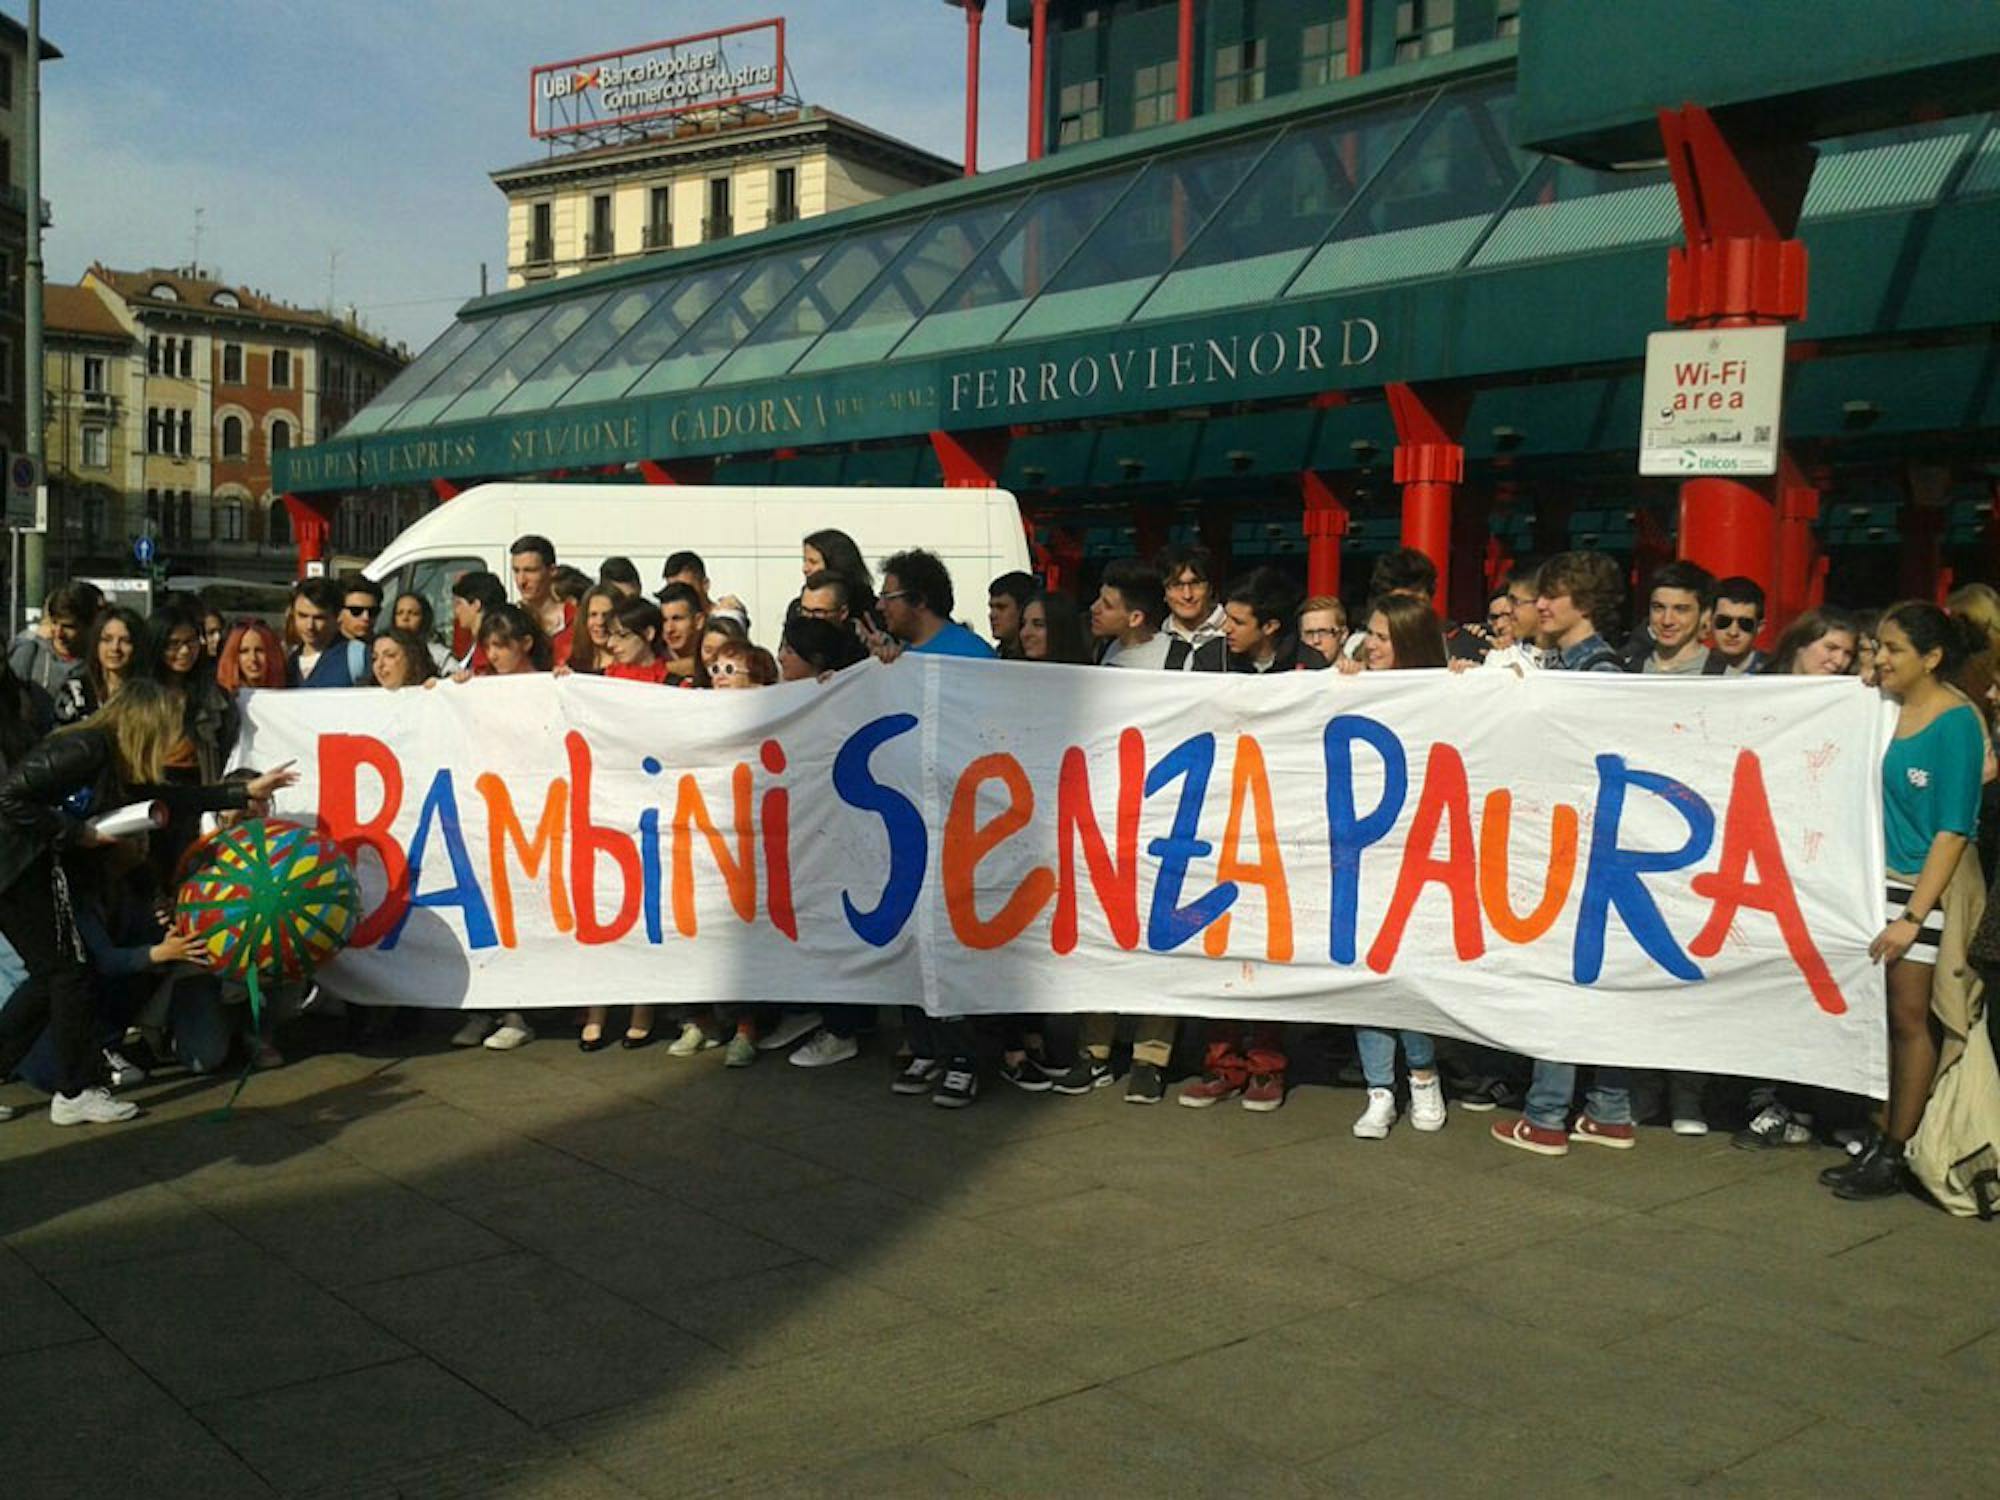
(269, 899)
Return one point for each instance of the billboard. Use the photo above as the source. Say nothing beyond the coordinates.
(735, 65)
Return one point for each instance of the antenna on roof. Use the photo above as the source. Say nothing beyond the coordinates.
(194, 261)
(332, 261)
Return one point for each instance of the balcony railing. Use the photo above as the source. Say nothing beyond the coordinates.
(659, 236)
(597, 245)
(717, 227)
(541, 252)
(784, 213)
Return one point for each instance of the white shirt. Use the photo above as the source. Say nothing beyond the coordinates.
(1149, 654)
(1521, 656)
(1196, 635)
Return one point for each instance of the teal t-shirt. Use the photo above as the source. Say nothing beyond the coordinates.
(1930, 785)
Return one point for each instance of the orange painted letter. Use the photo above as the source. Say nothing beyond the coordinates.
(1495, 824)
(967, 841)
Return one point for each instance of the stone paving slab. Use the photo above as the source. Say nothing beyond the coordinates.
(556, 1276)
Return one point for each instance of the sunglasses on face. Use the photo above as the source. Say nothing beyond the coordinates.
(1735, 622)
(361, 611)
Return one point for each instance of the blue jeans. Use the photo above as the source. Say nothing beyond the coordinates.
(1608, 1100)
(1378, 1054)
(203, 1027)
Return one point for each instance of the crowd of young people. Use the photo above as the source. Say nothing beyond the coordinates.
(100, 705)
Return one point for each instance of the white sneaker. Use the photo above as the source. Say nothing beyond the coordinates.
(1378, 1117)
(1427, 1110)
(125, 1073)
(6, 1111)
(91, 1107)
(691, 1040)
(513, 1031)
(475, 1030)
(822, 1048)
(1690, 1125)
(791, 1026)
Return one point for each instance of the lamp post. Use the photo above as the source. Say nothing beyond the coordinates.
(33, 554)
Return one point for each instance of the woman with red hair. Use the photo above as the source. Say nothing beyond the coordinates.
(252, 657)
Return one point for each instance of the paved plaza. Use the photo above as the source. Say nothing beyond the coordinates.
(547, 1274)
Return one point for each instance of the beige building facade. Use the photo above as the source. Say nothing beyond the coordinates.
(704, 181)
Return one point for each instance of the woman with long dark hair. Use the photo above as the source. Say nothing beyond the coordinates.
(1930, 810)
(112, 655)
(413, 614)
(399, 659)
(1403, 632)
(1052, 630)
(836, 552)
(1822, 642)
(589, 648)
(117, 756)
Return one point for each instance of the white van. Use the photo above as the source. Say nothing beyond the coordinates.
(749, 537)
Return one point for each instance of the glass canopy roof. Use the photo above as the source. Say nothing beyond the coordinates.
(1418, 185)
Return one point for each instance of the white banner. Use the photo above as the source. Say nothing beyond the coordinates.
(1654, 872)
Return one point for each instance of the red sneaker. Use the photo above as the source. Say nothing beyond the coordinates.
(1265, 1092)
(1530, 1137)
(1212, 1088)
(1597, 1133)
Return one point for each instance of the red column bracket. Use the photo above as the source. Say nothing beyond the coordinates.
(972, 460)
(1739, 211)
(445, 490)
(1429, 464)
(1799, 570)
(677, 470)
(1326, 522)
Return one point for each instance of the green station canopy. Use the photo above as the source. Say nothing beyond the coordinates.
(1368, 230)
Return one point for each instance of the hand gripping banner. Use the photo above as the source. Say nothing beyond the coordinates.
(1680, 874)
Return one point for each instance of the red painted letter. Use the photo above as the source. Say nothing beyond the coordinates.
(1749, 837)
(587, 841)
(1115, 881)
(1444, 796)
(340, 756)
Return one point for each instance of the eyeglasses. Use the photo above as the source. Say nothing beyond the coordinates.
(1320, 633)
(1187, 585)
(725, 668)
(892, 594)
(1499, 616)
(361, 611)
(1734, 622)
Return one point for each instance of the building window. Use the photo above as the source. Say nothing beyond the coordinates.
(281, 436)
(6, 83)
(659, 218)
(232, 437)
(281, 369)
(229, 521)
(232, 364)
(96, 448)
(152, 429)
(1239, 73)
(598, 244)
(1323, 50)
(187, 359)
(93, 374)
(1423, 28)
(720, 221)
(163, 291)
(187, 434)
(784, 195)
(6, 369)
(226, 298)
(1080, 112)
(541, 234)
(1154, 92)
(278, 524)
(187, 514)
(1507, 18)
(152, 354)
(152, 511)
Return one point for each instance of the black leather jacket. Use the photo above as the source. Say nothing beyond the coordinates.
(34, 789)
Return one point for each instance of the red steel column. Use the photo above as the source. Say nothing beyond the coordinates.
(312, 521)
(1797, 575)
(1429, 465)
(1326, 528)
(1184, 78)
(1357, 37)
(1741, 267)
(1038, 62)
(975, 13)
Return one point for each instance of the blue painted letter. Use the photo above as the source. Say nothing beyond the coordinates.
(1170, 924)
(1348, 833)
(909, 846)
(463, 892)
(1613, 878)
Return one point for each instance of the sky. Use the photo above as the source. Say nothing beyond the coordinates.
(338, 153)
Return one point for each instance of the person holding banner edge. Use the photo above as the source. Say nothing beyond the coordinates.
(1930, 807)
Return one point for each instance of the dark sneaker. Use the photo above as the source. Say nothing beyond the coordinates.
(919, 1076)
(1834, 1175)
(1085, 1074)
(1773, 1127)
(1026, 1075)
(1264, 1093)
(1145, 1084)
(1878, 1174)
(958, 1086)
